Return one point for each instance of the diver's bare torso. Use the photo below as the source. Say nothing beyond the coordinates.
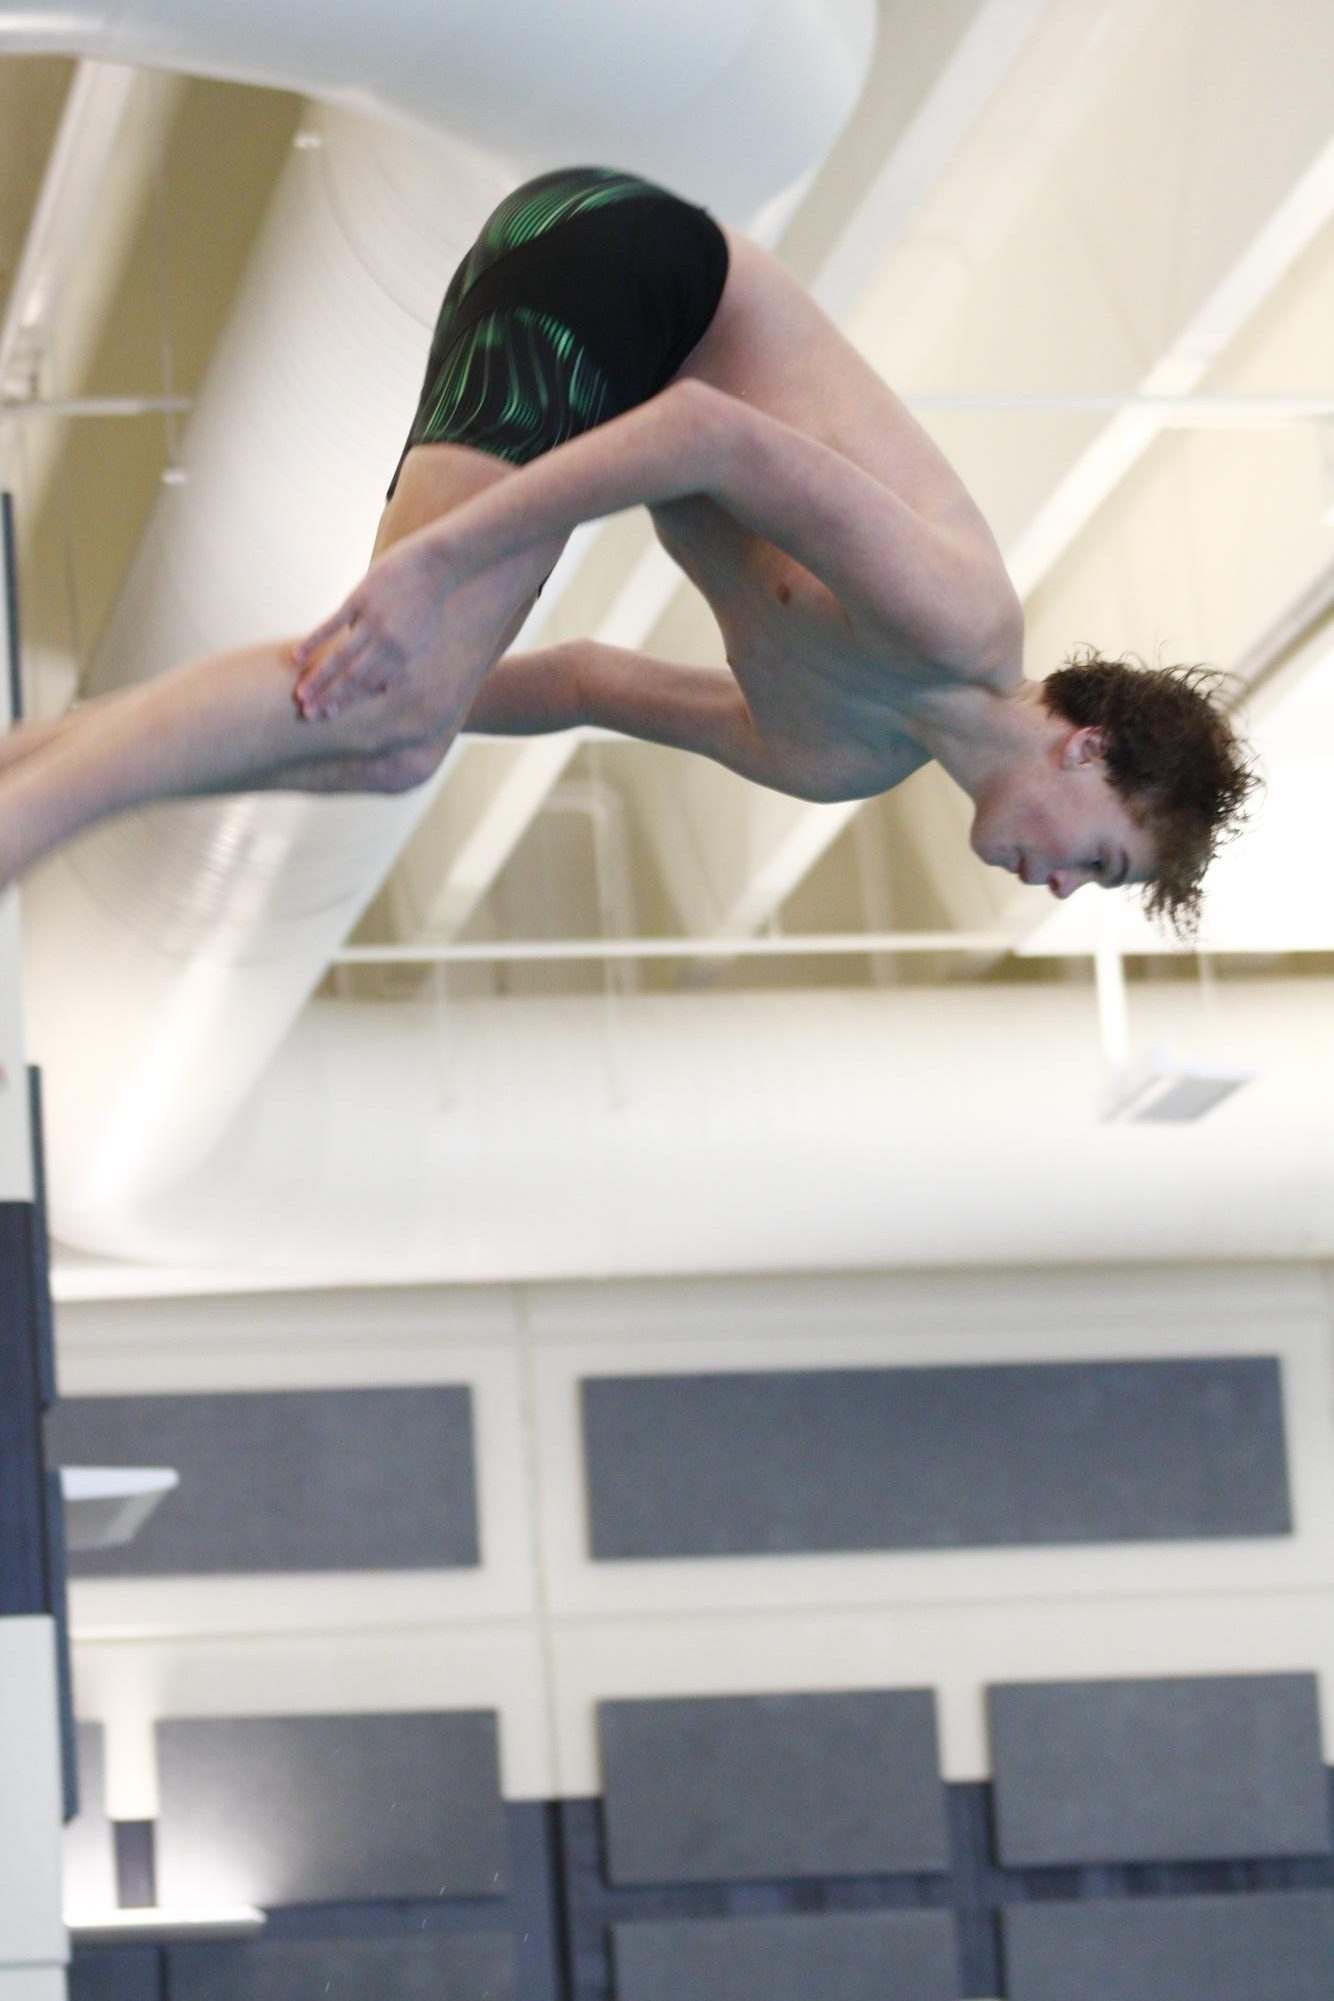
(805, 664)
(830, 691)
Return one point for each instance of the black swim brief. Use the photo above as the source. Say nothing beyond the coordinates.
(582, 296)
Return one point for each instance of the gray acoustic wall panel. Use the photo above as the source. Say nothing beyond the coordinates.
(1259, 1947)
(1148, 1771)
(885, 1956)
(116, 1973)
(719, 1787)
(846, 1459)
(325, 1809)
(316, 1480)
(24, 1581)
(466, 1966)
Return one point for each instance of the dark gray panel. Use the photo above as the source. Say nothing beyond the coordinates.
(1258, 1947)
(41, 1249)
(23, 1579)
(719, 1787)
(320, 1809)
(375, 1479)
(116, 1973)
(87, 1857)
(899, 1956)
(1147, 1771)
(466, 1966)
(809, 1460)
(57, 1572)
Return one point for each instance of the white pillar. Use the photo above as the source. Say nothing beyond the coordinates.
(33, 1941)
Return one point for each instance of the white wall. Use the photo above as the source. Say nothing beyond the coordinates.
(544, 1634)
(32, 1935)
(32, 1939)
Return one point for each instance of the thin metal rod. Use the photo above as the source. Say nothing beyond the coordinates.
(808, 944)
(1183, 412)
(165, 342)
(89, 406)
(1113, 1014)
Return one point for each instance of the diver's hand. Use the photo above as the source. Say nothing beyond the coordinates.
(388, 626)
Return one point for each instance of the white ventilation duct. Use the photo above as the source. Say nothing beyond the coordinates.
(731, 98)
(166, 956)
(536, 1139)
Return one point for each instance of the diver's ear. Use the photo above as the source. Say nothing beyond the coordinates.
(1083, 746)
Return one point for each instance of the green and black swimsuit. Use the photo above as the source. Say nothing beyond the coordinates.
(582, 296)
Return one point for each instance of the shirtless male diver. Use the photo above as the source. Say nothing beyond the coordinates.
(605, 345)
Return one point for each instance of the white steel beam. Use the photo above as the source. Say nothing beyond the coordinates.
(1169, 387)
(58, 233)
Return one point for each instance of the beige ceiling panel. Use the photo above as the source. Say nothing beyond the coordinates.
(32, 96)
(1125, 166)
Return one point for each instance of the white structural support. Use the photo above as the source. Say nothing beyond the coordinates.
(21, 409)
(33, 1983)
(33, 1942)
(57, 234)
(669, 72)
(1193, 411)
(1249, 265)
(554, 951)
(835, 1129)
(729, 852)
(944, 73)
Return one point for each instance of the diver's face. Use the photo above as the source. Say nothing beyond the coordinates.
(1056, 822)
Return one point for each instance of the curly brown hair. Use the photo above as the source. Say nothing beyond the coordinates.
(1174, 757)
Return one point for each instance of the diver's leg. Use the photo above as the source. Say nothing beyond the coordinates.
(229, 723)
(22, 739)
(218, 724)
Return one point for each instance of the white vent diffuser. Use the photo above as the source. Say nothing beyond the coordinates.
(106, 1506)
(1168, 1091)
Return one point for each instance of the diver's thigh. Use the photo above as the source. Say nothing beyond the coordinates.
(433, 481)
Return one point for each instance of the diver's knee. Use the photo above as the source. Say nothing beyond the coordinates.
(404, 768)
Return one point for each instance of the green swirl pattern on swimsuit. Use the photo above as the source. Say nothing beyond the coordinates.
(539, 205)
(516, 382)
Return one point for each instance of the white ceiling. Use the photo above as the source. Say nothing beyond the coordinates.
(1089, 198)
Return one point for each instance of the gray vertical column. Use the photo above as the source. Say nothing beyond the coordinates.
(9, 608)
(23, 1564)
(22, 1529)
(40, 1249)
(32, 1544)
